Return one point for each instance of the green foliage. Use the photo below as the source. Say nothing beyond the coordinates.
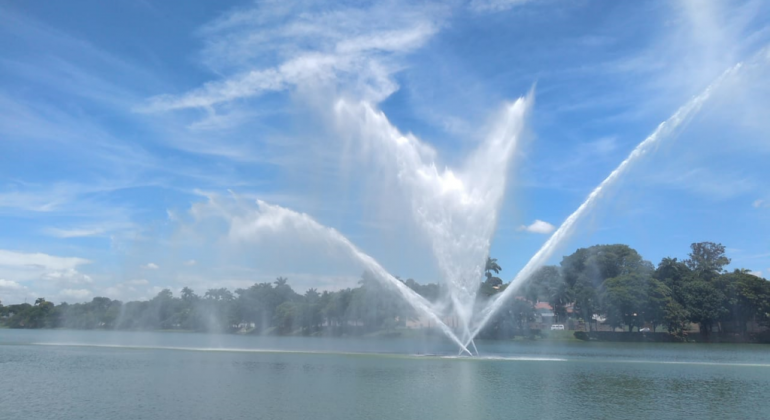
(614, 281)
(492, 266)
(624, 299)
(548, 285)
(586, 271)
(263, 308)
(705, 304)
(707, 259)
(676, 317)
(747, 299)
(492, 284)
(581, 335)
(511, 320)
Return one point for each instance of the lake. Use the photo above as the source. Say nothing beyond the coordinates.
(144, 375)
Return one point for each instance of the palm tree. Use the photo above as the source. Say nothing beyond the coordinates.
(491, 266)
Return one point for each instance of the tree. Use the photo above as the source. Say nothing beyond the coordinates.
(522, 313)
(624, 300)
(378, 306)
(547, 283)
(586, 270)
(188, 295)
(285, 315)
(658, 296)
(705, 304)
(747, 298)
(219, 310)
(492, 283)
(675, 275)
(707, 259)
(491, 266)
(676, 316)
(310, 315)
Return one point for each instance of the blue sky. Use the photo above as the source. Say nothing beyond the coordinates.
(125, 125)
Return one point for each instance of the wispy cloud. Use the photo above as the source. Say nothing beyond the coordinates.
(39, 260)
(69, 276)
(73, 233)
(488, 6)
(92, 230)
(150, 266)
(354, 49)
(702, 181)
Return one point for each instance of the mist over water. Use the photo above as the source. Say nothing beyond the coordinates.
(276, 219)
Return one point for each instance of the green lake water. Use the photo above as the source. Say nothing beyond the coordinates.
(136, 375)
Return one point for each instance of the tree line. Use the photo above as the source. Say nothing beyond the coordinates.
(263, 308)
(609, 284)
(614, 285)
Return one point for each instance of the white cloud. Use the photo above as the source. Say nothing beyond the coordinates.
(190, 262)
(77, 294)
(150, 266)
(12, 292)
(494, 5)
(538, 226)
(760, 204)
(8, 285)
(48, 272)
(756, 273)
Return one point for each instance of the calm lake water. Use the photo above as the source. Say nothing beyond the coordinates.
(136, 375)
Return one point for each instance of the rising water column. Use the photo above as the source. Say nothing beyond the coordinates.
(664, 130)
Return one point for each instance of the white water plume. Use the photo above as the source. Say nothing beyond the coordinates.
(666, 129)
(251, 223)
(456, 209)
